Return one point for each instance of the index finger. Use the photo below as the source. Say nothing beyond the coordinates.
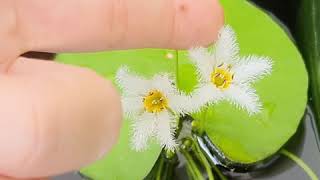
(81, 25)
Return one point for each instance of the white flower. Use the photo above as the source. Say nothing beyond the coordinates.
(154, 106)
(225, 75)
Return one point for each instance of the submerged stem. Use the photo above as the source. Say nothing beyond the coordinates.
(300, 162)
(164, 166)
(204, 161)
(159, 172)
(192, 167)
(210, 163)
(220, 175)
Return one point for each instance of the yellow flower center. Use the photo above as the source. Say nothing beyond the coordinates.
(221, 77)
(155, 102)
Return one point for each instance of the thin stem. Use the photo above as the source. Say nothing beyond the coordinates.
(177, 67)
(212, 165)
(217, 170)
(158, 175)
(194, 171)
(302, 164)
(204, 161)
(191, 172)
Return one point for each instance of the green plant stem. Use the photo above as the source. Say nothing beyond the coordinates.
(159, 172)
(177, 67)
(192, 167)
(217, 170)
(302, 164)
(189, 173)
(204, 160)
(190, 170)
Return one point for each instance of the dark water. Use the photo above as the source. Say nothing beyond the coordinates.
(304, 144)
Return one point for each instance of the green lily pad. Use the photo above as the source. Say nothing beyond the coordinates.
(122, 162)
(243, 138)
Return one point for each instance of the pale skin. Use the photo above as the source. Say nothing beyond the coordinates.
(57, 118)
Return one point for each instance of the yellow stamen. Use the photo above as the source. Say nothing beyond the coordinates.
(221, 77)
(155, 102)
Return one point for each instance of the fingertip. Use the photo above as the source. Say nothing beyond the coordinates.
(113, 119)
(197, 23)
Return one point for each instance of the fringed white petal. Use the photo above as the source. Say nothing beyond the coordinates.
(203, 61)
(131, 84)
(226, 48)
(143, 129)
(132, 106)
(186, 130)
(203, 95)
(166, 126)
(164, 83)
(180, 104)
(251, 68)
(243, 97)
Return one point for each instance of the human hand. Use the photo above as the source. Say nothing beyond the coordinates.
(57, 118)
